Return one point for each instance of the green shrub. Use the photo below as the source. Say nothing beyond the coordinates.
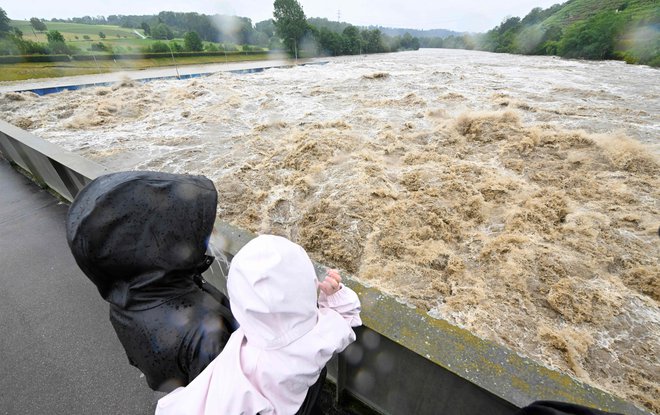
(594, 38)
(192, 42)
(158, 47)
(100, 47)
(34, 58)
(655, 62)
(176, 46)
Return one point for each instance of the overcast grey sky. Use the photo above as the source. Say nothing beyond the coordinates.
(458, 15)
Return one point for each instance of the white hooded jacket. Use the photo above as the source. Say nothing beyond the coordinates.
(284, 339)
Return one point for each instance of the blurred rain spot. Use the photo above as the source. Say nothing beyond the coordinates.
(393, 397)
(180, 317)
(364, 381)
(218, 242)
(211, 324)
(370, 339)
(354, 354)
(187, 192)
(369, 299)
(384, 362)
(184, 251)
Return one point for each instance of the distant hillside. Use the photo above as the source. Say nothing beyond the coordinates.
(74, 31)
(590, 29)
(576, 10)
(190, 32)
(338, 27)
(439, 33)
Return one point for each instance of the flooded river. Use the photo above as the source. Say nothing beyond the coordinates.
(515, 196)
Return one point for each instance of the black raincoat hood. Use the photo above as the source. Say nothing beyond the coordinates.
(140, 236)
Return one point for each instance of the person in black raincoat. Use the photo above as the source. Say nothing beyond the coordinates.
(142, 238)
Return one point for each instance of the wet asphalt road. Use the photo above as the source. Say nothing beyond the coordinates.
(58, 351)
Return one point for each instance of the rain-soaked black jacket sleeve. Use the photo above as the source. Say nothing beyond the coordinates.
(172, 343)
(141, 237)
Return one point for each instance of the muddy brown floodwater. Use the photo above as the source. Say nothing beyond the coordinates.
(517, 197)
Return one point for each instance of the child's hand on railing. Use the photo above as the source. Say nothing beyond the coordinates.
(332, 282)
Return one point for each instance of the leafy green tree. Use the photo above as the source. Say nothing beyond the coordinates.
(332, 26)
(162, 31)
(502, 38)
(29, 47)
(176, 46)
(159, 47)
(4, 22)
(191, 22)
(533, 17)
(408, 42)
(352, 44)
(192, 42)
(99, 47)
(54, 36)
(266, 27)
(8, 46)
(245, 31)
(259, 38)
(373, 41)
(275, 43)
(594, 38)
(330, 43)
(146, 28)
(290, 23)
(56, 42)
(548, 45)
(38, 25)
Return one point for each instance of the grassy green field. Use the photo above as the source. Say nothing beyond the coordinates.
(583, 9)
(71, 31)
(120, 39)
(23, 71)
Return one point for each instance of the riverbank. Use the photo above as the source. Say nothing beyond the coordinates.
(164, 72)
(39, 70)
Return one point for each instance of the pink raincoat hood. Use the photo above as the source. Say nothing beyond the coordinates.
(284, 339)
(272, 289)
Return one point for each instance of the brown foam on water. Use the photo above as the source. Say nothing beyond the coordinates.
(536, 237)
(376, 75)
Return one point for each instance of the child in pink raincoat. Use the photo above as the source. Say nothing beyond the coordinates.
(286, 336)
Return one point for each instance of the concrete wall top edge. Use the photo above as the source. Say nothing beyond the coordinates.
(497, 369)
(72, 161)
